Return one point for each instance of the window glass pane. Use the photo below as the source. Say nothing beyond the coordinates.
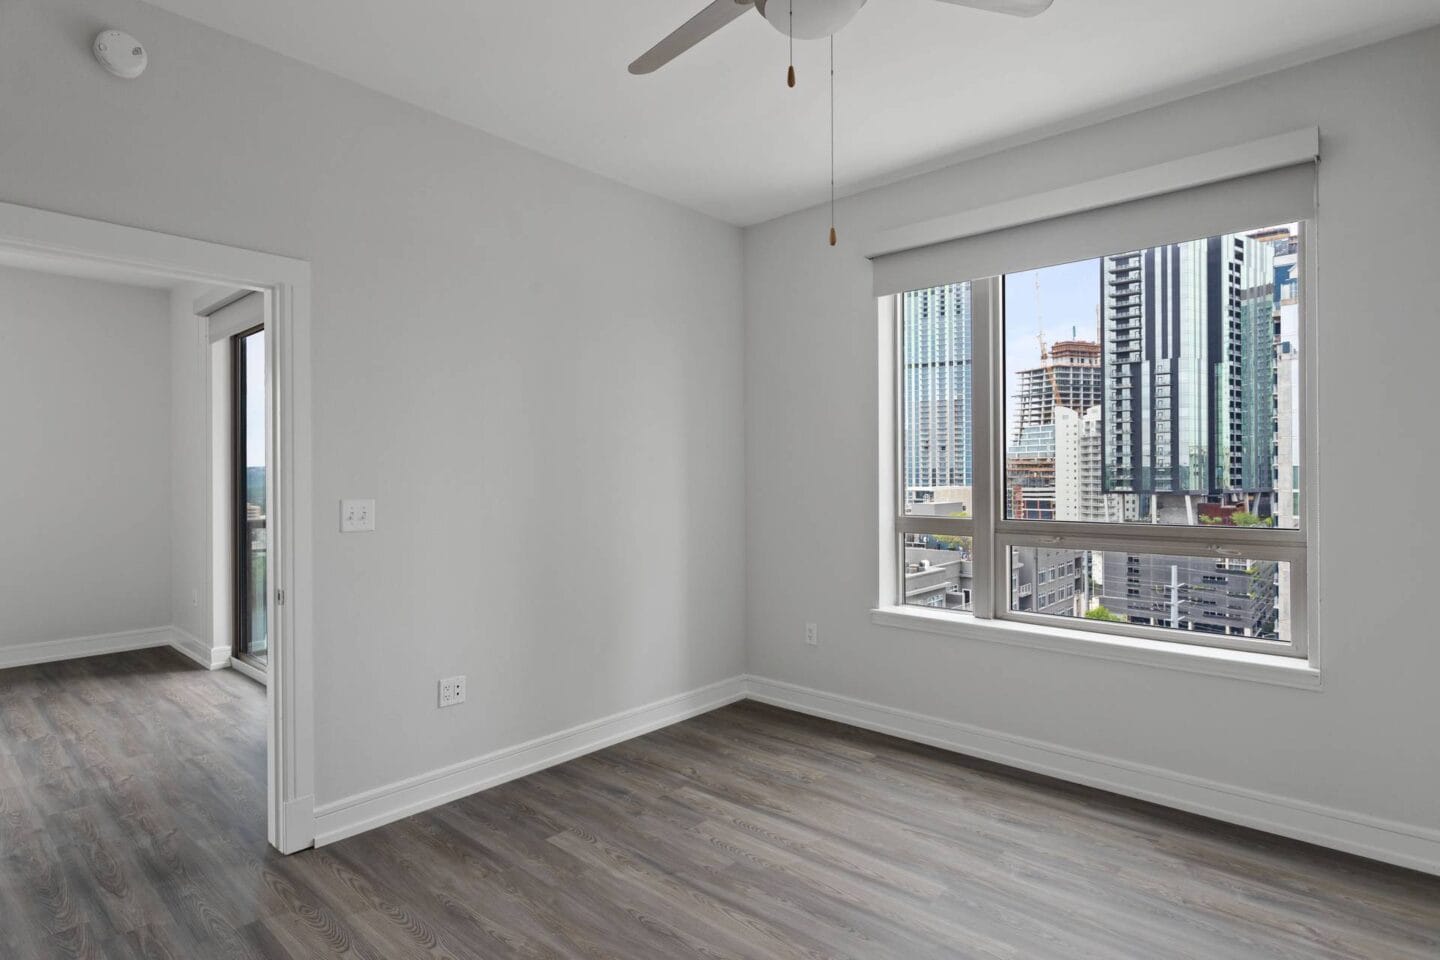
(253, 627)
(937, 368)
(1223, 596)
(1157, 386)
(938, 571)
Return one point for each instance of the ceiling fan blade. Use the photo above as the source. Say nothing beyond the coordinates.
(691, 32)
(1016, 8)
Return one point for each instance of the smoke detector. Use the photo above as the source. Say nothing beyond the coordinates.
(120, 53)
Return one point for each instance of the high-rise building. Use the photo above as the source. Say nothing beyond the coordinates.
(937, 380)
(1189, 369)
(1191, 427)
(1287, 401)
(1206, 594)
(1069, 378)
(1079, 494)
(1286, 248)
(1049, 581)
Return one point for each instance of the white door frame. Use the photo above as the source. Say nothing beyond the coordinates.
(285, 283)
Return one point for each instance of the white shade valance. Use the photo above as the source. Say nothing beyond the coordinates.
(1239, 188)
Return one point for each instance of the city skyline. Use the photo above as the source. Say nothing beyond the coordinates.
(1141, 387)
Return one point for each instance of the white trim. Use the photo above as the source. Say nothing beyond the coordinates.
(69, 648)
(244, 669)
(290, 732)
(373, 808)
(144, 251)
(1284, 671)
(1403, 844)
(298, 816)
(290, 690)
(1228, 163)
(211, 658)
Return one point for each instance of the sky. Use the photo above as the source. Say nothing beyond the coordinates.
(1069, 295)
(255, 400)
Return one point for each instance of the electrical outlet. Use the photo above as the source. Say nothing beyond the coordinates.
(812, 634)
(452, 691)
(357, 516)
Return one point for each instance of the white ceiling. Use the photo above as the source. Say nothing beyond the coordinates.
(717, 130)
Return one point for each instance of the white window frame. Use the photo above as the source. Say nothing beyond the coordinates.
(993, 535)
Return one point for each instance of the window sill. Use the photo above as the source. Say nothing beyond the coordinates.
(1215, 661)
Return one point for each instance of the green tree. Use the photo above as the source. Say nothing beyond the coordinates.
(1240, 518)
(1102, 613)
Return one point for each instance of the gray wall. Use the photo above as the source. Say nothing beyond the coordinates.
(1367, 742)
(519, 361)
(84, 458)
(190, 475)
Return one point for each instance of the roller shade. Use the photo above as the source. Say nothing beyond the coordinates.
(1231, 205)
(238, 316)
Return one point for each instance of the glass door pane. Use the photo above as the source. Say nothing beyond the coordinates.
(251, 540)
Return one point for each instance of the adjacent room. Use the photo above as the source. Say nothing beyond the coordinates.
(751, 478)
(134, 421)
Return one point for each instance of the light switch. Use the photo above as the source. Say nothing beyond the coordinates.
(357, 515)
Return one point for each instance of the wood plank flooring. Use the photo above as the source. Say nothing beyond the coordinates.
(132, 825)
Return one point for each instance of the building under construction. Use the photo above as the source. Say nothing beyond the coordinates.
(1070, 376)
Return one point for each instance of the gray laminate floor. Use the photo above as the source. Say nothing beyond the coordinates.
(132, 825)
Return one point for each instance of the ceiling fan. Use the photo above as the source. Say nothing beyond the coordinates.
(806, 19)
(797, 19)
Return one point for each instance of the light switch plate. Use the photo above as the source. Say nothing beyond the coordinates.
(357, 516)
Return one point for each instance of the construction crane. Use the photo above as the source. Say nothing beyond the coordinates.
(1040, 323)
(1045, 358)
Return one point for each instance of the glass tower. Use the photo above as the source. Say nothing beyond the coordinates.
(936, 331)
(1189, 368)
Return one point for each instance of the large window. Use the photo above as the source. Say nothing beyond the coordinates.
(1113, 444)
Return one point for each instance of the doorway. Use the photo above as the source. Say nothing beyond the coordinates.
(276, 583)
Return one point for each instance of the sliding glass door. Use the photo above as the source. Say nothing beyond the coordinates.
(251, 542)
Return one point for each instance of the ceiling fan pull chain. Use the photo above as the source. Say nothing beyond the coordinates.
(790, 76)
(833, 236)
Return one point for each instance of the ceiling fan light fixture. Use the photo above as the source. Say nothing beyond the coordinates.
(814, 19)
(806, 19)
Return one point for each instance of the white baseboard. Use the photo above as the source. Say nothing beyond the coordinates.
(211, 658)
(243, 668)
(47, 651)
(372, 808)
(297, 825)
(1403, 844)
